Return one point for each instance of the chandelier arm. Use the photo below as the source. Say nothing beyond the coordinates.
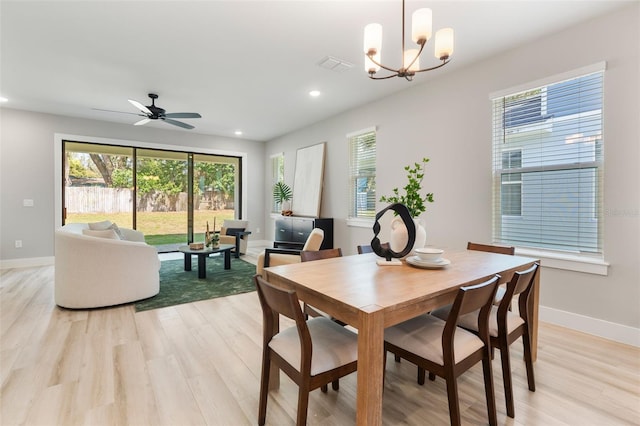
(444, 62)
(382, 66)
(382, 78)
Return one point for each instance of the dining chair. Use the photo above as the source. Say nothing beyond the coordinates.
(505, 327)
(492, 248)
(362, 249)
(312, 354)
(308, 256)
(446, 350)
(281, 256)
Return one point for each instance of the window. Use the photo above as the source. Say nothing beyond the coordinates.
(362, 174)
(277, 175)
(547, 163)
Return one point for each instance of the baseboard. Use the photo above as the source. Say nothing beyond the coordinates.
(259, 243)
(597, 327)
(28, 262)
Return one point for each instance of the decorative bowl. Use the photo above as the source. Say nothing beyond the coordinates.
(429, 254)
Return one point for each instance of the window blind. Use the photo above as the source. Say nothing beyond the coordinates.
(362, 174)
(548, 164)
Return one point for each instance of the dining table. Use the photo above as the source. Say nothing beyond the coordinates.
(371, 297)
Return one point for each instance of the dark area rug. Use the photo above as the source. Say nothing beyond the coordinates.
(178, 286)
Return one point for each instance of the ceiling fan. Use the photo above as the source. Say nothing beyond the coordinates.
(153, 112)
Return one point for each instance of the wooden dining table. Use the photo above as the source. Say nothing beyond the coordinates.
(369, 297)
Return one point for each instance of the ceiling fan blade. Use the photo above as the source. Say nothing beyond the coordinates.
(142, 122)
(140, 107)
(119, 112)
(178, 123)
(183, 115)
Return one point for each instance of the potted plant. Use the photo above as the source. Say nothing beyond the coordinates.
(415, 202)
(282, 195)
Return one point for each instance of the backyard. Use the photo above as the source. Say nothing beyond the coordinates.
(161, 227)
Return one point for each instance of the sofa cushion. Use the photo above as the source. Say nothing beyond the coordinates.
(117, 231)
(100, 226)
(105, 233)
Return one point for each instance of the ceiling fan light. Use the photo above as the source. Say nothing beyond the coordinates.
(421, 25)
(444, 43)
(373, 38)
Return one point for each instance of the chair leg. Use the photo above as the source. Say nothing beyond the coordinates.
(506, 377)
(324, 388)
(452, 395)
(432, 376)
(264, 389)
(303, 404)
(489, 390)
(528, 361)
(335, 385)
(397, 357)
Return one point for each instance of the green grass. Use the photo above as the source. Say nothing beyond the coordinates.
(161, 227)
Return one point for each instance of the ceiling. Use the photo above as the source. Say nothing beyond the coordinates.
(243, 65)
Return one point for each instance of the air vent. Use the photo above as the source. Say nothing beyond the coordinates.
(334, 64)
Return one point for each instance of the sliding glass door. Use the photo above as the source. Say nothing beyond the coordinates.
(169, 196)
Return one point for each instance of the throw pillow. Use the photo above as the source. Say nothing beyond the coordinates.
(104, 233)
(117, 231)
(100, 226)
(233, 231)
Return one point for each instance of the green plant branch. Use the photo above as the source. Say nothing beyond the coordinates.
(411, 198)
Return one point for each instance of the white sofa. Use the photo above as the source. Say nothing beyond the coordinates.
(95, 271)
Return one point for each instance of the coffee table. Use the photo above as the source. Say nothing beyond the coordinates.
(202, 257)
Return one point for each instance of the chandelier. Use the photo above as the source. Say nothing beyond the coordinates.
(420, 34)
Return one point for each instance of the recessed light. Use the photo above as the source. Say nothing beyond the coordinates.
(3, 99)
(238, 132)
(314, 93)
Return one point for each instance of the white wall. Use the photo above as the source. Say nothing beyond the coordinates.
(27, 172)
(448, 119)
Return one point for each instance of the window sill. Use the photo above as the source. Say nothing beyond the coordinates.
(567, 261)
(360, 223)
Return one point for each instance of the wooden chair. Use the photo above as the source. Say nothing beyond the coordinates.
(446, 350)
(505, 327)
(308, 256)
(493, 249)
(312, 354)
(365, 249)
(279, 256)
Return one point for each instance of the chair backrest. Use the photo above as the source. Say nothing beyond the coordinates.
(365, 249)
(521, 284)
(470, 299)
(491, 248)
(314, 240)
(308, 256)
(276, 300)
(232, 227)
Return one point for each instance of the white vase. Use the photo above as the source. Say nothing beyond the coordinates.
(399, 236)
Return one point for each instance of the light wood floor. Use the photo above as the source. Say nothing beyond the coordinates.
(199, 364)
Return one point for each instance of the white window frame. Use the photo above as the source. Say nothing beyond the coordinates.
(353, 219)
(588, 263)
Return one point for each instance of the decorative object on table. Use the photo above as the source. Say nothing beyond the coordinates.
(196, 246)
(384, 249)
(282, 195)
(415, 203)
(211, 239)
(420, 33)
